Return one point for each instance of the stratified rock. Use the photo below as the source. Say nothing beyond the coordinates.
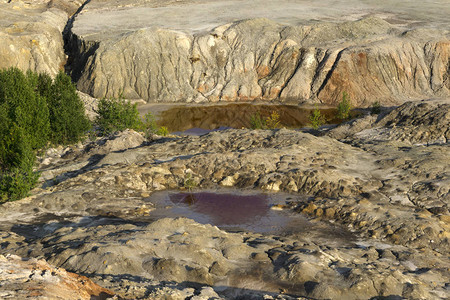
(31, 34)
(371, 59)
(31, 278)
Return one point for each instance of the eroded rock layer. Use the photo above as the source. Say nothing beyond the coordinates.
(257, 59)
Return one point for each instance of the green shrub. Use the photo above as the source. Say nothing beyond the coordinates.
(117, 115)
(16, 184)
(148, 124)
(344, 107)
(25, 107)
(68, 121)
(316, 118)
(271, 122)
(189, 182)
(163, 131)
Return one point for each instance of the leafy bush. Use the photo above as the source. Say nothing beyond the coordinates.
(117, 115)
(344, 107)
(316, 118)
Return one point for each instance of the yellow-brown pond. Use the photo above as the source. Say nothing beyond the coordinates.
(208, 117)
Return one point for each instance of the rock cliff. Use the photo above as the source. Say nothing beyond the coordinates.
(257, 59)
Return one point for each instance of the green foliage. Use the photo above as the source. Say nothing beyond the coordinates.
(117, 115)
(25, 107)
(16, 161)
(344, 107)
(273, 121)
(376, 108)
(148, 124)
(34, 109)
(257, 122)
(68, 121)
(316, 118)
(16, 184)
(163, 131)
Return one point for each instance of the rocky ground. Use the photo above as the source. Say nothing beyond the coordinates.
(378, 203)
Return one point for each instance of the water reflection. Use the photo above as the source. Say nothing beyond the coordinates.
(182, 118)
(225, 209)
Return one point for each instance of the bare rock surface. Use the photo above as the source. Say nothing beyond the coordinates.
(31, 34)
(425, 122)
(36, 279)
(291, 51)
(377, 206)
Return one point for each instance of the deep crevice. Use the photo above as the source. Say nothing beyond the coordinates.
(77, 50)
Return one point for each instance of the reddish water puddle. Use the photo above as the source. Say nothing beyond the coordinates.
(229, 211)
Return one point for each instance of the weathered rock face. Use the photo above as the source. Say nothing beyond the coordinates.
(32, 278)
(370, 59)
(31, 34)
